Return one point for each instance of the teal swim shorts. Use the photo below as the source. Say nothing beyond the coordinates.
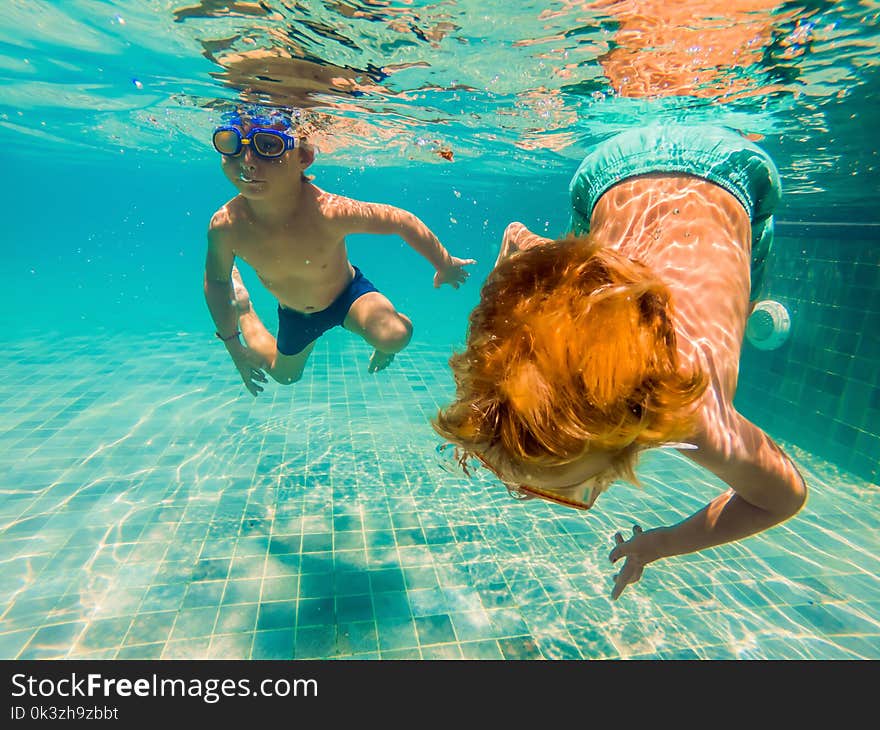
(717, 154)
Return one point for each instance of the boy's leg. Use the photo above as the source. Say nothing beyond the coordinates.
(375, 319)
(289, 368)
(285, 369)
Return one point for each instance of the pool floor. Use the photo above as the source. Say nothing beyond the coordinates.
(150, 508)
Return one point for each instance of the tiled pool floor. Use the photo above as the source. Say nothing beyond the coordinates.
(150, 508)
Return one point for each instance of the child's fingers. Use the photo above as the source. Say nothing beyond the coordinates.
(616, 553)
(254, 389)
(619, 584)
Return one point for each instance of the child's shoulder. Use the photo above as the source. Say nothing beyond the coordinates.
(333, 206)
(226, 216)
(340, 207)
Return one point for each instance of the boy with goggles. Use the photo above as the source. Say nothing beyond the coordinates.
(292, 234)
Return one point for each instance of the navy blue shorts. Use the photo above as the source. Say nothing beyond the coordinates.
(297, 329)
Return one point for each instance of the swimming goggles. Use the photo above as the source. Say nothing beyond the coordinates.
(449, 459)
(522, 492)
(267, 143)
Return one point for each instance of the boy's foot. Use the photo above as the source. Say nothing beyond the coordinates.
(242, 298)
(379, 361)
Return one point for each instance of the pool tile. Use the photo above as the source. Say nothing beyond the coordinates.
(104, 633)
(148, 628)
(276, 615)
(387, 580)
(142, 651)
(273, 644)
(356, 637)
(316, 612)
(315, 642)
(396, 633)
(354, 608)
(280, 542)
(435, 629)
(391, 604)
(237, 618)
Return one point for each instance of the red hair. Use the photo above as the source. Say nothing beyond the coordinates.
(571, 348)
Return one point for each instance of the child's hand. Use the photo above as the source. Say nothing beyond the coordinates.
(453, 273)
(639, 550)
(250, 366)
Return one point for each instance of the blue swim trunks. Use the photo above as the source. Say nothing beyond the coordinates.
(717, 154)
(297, 329)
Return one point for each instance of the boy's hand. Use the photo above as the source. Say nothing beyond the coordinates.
(453, 272)
(639, 550)
(250, 366)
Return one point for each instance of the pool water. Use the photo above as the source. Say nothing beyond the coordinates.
(154, 510)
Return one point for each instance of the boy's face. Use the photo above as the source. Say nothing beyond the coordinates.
(578, 483)
(258, 177)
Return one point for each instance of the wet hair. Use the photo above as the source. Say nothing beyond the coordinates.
(286, 118)
(571, 349)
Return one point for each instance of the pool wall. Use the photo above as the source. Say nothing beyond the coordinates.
(821, 388)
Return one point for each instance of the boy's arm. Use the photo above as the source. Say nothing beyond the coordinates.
(766, 489)
(358, 217)
(220, 297)
(219, 293)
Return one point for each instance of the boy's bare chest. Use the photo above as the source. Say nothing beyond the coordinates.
(290, 249)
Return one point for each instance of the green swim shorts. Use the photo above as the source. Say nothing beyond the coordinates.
(717, 154)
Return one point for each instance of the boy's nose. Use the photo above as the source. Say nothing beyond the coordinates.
(248, 156)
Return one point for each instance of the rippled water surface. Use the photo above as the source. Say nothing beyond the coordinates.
(519, 87)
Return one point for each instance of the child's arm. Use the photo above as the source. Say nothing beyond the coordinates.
(766, 489)
(357, 217)
(219, 293)
(220, 297)
(518, 238)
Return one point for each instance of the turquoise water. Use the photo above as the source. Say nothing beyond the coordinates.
(149, 507)
(171, 516)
